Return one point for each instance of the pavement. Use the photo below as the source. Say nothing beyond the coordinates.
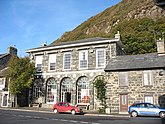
(48, 110)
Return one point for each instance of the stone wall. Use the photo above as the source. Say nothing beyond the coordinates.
(135, 89)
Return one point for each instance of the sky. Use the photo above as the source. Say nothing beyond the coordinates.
(27, 24)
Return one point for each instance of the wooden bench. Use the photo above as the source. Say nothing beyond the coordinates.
(83, 105)
(38, 105)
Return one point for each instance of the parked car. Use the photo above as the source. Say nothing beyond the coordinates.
(146, 109)
(65, 107)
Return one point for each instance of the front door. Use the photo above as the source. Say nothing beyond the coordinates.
(123, 103)
(4, 99)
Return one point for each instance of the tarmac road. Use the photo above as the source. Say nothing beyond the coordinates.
(10, 116)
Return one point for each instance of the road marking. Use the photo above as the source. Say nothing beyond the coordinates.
(36, 117)
(28, 116)
(63, 120)
(20, 115)
(95, 123)
(73, 121)
(83, 122)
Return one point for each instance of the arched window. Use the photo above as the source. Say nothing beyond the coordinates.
(51, 91)
(83, 90)
(66, 90)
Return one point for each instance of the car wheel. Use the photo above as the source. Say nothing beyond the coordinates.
(55, 111)
(162, 114)
(73, 112)
(134, 114)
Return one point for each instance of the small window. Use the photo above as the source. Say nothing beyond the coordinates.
(100, 58)
(37, 91)
(123, 78)
(148, 99)
(83, 59)
(2, 81)
(38, 63)
(52, 62)
(147, 78)
(67, 60)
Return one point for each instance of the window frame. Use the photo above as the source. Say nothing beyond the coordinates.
(149, 77)
(125, 75)
(38, 63)
(64, 64)
(86, 58)
(54, 62)
(97, 59)
(149, 96)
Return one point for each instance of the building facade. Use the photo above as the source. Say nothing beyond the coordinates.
(136, 78)
(4, 91)
(66, 71)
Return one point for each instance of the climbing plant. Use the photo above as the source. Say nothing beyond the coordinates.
(100, 85)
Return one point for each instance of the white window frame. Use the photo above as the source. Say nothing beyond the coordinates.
(52, 60)
(64, 62)
(123, 76)
(97, 59)
(38, 61)
(149, 99)
(36, 91)
(81, 58)
(2, 84)
(147, 78)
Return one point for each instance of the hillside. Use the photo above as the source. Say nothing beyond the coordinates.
(140, 22)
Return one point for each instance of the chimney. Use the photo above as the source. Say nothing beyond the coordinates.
(118, 35)
(12, 50)
(160, 47)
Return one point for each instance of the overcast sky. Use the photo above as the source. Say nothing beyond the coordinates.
(27, 24)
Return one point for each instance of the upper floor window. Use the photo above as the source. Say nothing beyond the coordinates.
(147, 77)
(67, 61)
(123, 78)
(38, 63)
(100, 58)
(83, 59)
(52, 62)
(2, 83)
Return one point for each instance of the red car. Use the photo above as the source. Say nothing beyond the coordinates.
(65, 107)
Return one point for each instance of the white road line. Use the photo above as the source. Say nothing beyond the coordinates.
(63, 120)
(73, 121)
(83, 122)
(20, 115)
(36, 117)
(28, 116)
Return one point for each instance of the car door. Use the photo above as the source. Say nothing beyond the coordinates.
(142, 109)
(151, 109)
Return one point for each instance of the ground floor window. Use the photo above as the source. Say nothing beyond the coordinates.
(66, 90)
(5, 97)
(148, 99)
(51, 91)
(83, 90)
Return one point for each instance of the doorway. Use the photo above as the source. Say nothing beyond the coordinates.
(123, 103)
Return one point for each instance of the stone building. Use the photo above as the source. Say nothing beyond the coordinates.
(66, 71)
(136, 78)
(4, 60)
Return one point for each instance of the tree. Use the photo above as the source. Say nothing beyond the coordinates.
(100, 85)
(21, 74)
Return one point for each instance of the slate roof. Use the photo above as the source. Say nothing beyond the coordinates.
(4, 60)
(136, 62)
(87, 40)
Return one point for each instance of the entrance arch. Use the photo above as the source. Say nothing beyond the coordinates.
(51, 91)
(83, 88)
(66, 89)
